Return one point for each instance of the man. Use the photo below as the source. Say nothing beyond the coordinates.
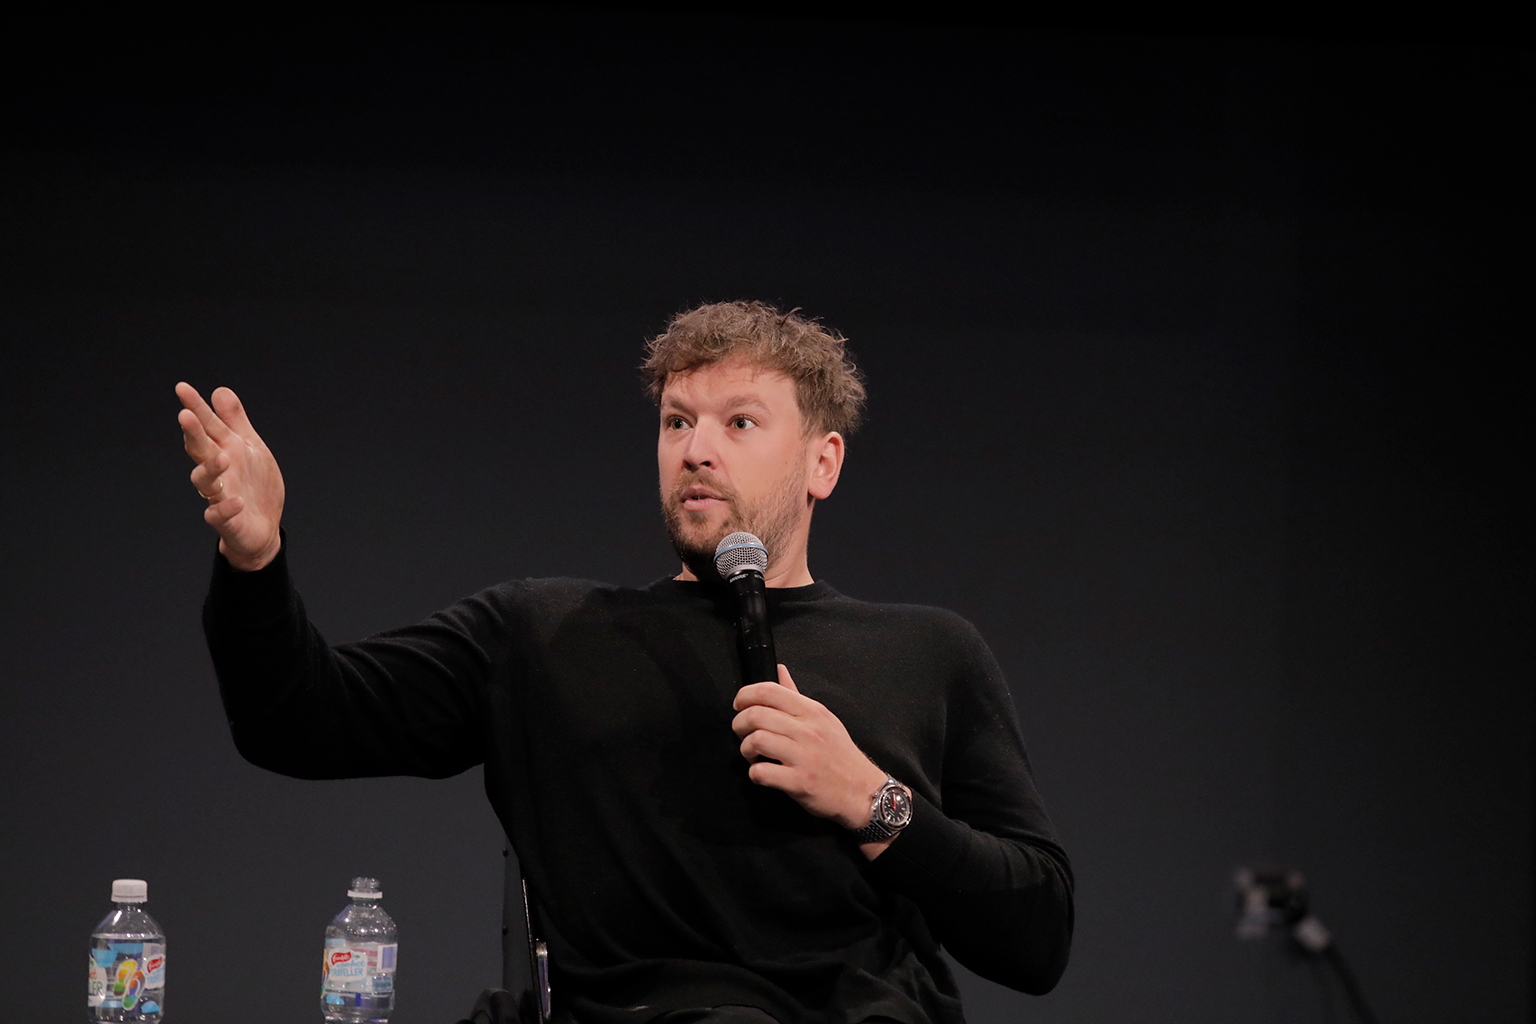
(698, 849)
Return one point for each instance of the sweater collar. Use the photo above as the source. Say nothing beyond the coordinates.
(818, 591)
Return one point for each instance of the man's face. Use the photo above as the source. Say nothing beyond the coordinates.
(732, 456)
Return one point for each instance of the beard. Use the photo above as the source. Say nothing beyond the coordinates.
(772, 520)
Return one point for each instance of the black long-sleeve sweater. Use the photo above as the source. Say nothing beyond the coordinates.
(663, 877)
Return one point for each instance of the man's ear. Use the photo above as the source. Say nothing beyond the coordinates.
(826, 455)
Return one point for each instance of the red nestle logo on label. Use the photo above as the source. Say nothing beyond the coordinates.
(341, 958)
(154, 963)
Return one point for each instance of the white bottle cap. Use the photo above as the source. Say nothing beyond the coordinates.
(130, 890)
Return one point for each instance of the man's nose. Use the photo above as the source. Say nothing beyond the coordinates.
(703, 447)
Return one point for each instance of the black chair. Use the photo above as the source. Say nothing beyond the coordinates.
(524, 956)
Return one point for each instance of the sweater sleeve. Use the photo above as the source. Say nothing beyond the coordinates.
(404, 702)
(986, 869)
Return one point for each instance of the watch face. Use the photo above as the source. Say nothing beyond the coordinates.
(896, 807)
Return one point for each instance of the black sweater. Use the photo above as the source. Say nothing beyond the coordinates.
(663, 877)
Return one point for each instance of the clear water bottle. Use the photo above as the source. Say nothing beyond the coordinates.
(127, 959)
(357, 982)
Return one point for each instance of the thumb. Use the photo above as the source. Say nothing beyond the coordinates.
(786, 680)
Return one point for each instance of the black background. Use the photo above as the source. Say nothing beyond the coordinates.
(1199, 382)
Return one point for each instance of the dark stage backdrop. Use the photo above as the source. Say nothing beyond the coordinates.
(1194, 384)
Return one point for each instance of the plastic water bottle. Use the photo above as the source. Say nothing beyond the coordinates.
(357, 983)
(127, 959)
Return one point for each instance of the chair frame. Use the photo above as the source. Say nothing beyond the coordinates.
(524, 956)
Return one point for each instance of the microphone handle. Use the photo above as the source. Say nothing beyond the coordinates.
(759, 664)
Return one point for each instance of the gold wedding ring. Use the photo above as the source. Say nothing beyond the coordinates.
(216, 493)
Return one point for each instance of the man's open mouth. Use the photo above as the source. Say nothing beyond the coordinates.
(697, 497)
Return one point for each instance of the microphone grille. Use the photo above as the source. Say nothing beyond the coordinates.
(738, 553)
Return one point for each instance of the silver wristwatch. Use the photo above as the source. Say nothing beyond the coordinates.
(890, 813)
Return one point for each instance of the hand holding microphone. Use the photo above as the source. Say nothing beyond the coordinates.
(795, 744)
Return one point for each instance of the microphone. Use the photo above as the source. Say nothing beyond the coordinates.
(741, 559)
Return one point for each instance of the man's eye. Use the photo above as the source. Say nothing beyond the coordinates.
(675, 423)
(743, 423)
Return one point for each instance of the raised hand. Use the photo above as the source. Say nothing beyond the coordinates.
(819, 765)
(236, 473)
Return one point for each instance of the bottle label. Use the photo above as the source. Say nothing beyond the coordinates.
(96, 994)
(366, 968)
(127, 976)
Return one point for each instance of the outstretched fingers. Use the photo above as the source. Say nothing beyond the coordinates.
(211, 458)
(214, 427)
(194, 438)
(235, 473)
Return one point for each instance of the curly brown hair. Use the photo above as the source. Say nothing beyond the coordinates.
(828, 384)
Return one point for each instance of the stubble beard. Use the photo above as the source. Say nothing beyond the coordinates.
(772, 521)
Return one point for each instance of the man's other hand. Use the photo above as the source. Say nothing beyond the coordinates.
(236, 473)
(818, 763)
